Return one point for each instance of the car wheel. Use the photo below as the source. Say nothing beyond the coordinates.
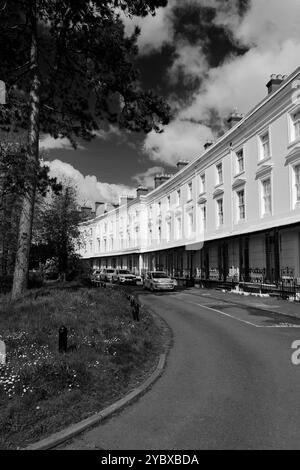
(152, 288)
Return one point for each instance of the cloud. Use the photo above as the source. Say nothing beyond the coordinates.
(180, 140)
(49, 143)
(270, 31)
(147, 178)
(188, 58)
(155, 30)
(110, 133)
(90, 190)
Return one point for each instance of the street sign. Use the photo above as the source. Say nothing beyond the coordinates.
(2, 92)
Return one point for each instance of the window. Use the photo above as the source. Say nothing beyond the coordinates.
(122, 242)
(159, 208)
(241, 204)
(168, 230)
(202, 183)
(296, 125)
(105, 244)
(189, 191)
(220, 214)
(159, 234)
(265, 145)
(297, 183)
(168, 202)
(99, 246)
(150, 236)
(203, 216)
(219, 169)
(178, 196)
(111, 243)
(178, 228)
(240, 161)
(266, 197)
(190, 223)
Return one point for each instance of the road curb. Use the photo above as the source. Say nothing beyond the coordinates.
(71, 431)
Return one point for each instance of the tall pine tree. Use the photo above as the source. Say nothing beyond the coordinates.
(68, 68)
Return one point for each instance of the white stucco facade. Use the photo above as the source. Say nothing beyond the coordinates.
(244, 191)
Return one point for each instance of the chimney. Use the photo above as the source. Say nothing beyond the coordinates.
(234, 118)
(99, 207)
(160, 179)
(157, 181)
(181, 164)
(207, 144)
(86, 212)
(141, 191)
(124, 199)
(275, 82)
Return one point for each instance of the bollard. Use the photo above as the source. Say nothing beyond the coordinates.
(62, 339)
(2, 353)
(136, 311)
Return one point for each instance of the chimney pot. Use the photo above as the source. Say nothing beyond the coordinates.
(181, 164)
(160, 179)
(207, 144)
(274, 82)
(234, 117)
(141, 191)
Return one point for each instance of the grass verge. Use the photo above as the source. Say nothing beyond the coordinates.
(41, 390)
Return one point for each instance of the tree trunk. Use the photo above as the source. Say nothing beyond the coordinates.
(26, 218)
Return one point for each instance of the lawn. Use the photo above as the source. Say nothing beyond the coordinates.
(42, 390)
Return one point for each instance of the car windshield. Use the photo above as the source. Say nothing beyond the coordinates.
(110, 270)
(159, 275)
(124, 271)
(97, 272)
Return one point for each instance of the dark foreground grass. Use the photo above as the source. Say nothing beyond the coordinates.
(42, 390)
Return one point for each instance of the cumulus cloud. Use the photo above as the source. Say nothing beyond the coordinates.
(180, 140)
(147, 178)
(270, 30)
(155, 30)
(90, 190)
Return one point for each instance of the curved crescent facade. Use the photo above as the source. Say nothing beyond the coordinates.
(233, 213)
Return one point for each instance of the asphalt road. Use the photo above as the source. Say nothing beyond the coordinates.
(229, 383)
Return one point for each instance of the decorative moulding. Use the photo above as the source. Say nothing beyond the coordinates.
(218, 192)
(238, 182)
(189, 208)
(293, 156)
(201, 199)
(263, 171)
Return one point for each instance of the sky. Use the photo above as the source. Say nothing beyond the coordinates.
(206, 58)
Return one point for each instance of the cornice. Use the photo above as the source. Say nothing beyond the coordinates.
(293, 156)
(264, 170)
(218, 192)
(238, 182)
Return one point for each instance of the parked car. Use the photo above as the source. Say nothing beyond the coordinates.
(123, 276)
(158, 280)
(107, 274)
(95, 276)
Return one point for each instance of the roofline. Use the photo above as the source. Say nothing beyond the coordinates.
(234, 128)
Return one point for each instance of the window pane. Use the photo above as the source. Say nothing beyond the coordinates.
(267, 196)
(297, 182)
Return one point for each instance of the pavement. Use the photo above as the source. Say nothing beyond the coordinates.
(229, 382)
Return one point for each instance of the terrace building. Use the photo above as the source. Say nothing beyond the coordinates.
(233, 213)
